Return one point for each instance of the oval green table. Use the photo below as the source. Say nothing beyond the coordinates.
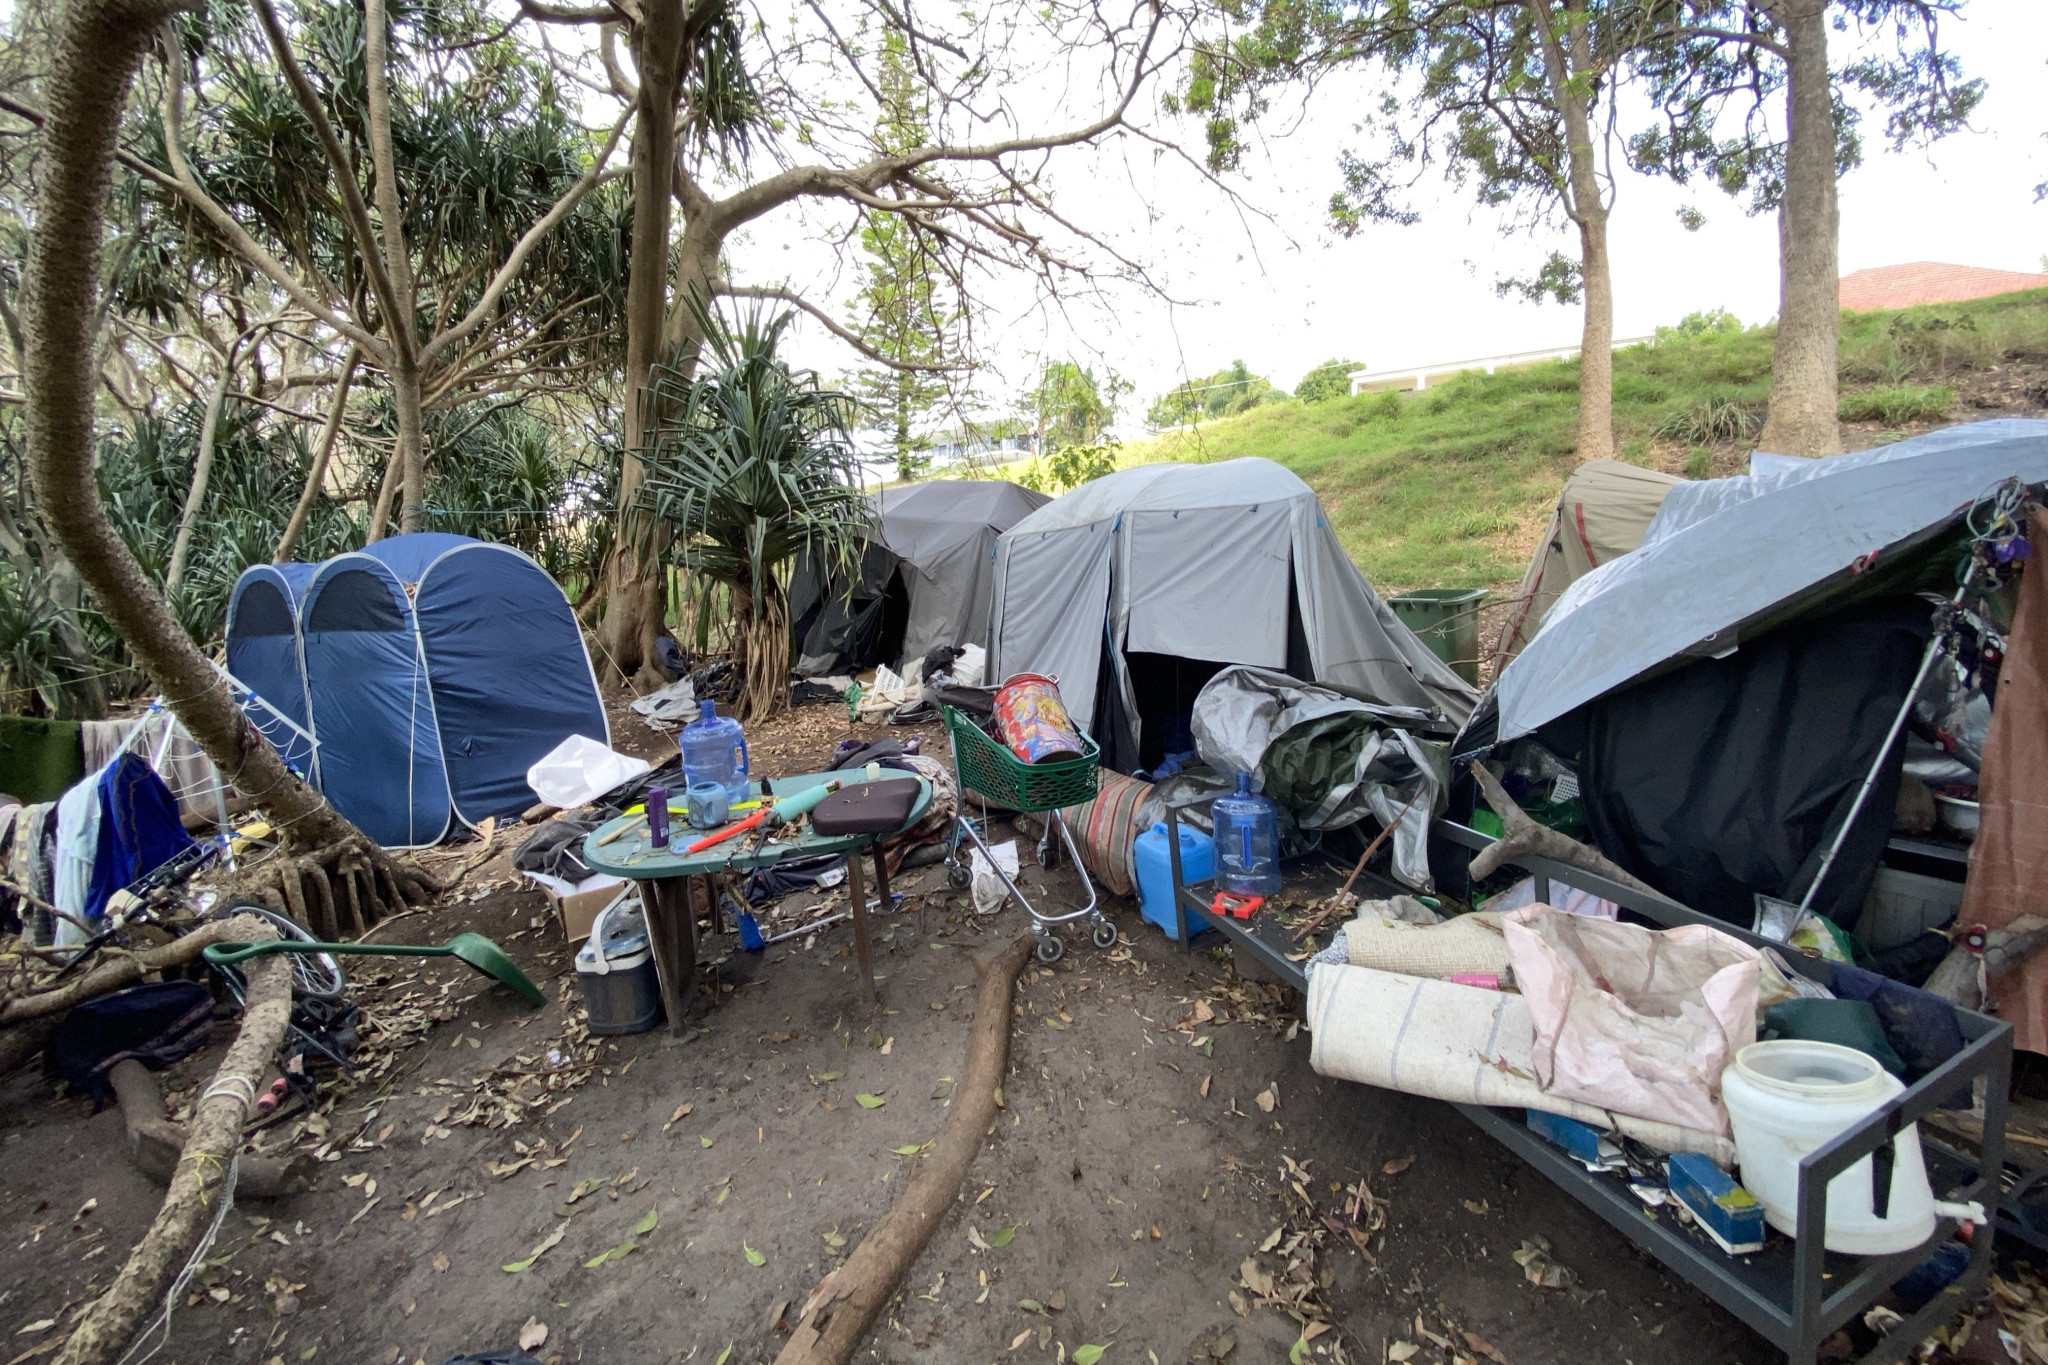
(620, 847)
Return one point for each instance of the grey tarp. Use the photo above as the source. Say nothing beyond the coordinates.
(1727, 558)
(1330, 759)
(1601, 514)
(1195, 561)
(938, 535)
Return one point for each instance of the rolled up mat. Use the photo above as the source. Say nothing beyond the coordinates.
(1105, 828)
(1464, 943)
(1456, 1043)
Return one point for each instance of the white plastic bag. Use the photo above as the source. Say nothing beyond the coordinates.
(969, 667)
(580, 769)
(1640, 1021)
(989, 891)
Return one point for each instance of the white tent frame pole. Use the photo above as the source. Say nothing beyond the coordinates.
(1934, 651)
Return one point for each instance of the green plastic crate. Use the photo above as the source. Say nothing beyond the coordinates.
(1007, 780)
(1447, 620)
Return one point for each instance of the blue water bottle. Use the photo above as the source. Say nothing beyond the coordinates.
(1247, 841)
(715, 750)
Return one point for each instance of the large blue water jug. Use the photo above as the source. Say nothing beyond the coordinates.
(1152, 853)
(1247, 841)
(715, 750)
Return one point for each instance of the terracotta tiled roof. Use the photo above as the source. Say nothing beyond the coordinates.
(1902, 286)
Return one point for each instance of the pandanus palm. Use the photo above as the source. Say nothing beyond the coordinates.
(750, 465)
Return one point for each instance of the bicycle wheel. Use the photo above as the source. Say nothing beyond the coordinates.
(315, 976)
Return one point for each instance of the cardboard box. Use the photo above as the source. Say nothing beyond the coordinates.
(577, 907)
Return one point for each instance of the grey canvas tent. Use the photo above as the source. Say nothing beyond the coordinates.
(1602, 513)
(1721, 691)
(1136, 589)
(924, 581)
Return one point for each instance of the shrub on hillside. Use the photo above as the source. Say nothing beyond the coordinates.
(1898, 405)
(1710, 422)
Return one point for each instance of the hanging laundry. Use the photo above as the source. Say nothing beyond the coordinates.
(139, 830)
(78, 837)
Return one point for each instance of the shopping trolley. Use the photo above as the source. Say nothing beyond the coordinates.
(982, 765)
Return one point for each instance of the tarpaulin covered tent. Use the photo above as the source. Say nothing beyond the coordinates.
(430, 670)
(925, 577)
(1601, 513)
(1135, 589)
(1725, 687)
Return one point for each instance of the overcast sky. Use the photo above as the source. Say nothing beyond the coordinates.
(1289, 294)
(1284, 293)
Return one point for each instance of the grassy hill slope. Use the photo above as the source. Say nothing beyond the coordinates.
(1451, 487)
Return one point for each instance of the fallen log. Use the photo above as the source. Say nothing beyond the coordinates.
(155, 1143)
(121, 968)
(846, 1302)
(200, 1181)
(1520, 835)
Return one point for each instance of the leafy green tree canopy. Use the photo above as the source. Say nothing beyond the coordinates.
(1231, 390)
(1069, 406)
(1331, 379)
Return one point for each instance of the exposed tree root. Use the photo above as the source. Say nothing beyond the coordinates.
(338, 891)
(1520, 834)
(847, 1301)
(199, 1181)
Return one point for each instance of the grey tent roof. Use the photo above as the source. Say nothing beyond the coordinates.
(925, 522)
(1724, 558)
(939, 535)
(1196, 561)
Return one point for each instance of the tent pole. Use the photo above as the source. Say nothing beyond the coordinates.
(1933, 652)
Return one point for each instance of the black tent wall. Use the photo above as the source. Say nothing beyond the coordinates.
(1729, 777)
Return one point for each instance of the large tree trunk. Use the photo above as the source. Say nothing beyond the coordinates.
(317, 475)
(1596, 343)
(412, 447)
(99, 46)
(1568, 62)
(1802, 418)
(635, 588)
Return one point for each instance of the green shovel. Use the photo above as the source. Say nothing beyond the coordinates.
(478, 951)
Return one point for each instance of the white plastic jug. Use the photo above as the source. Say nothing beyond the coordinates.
(1791, 1097)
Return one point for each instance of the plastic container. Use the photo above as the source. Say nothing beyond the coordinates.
(1152, 856)
(715, 750)
(615, 972)
(1034, 721)
(1788, 1098)
(1447, 620)
(1247, 829)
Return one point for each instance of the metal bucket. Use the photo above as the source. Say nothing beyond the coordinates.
(1034, 721)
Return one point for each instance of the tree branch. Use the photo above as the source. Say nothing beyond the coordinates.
(516, 260)
(831, 325)
(354, 212)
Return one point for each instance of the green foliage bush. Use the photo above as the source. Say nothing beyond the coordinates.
(1898, 405)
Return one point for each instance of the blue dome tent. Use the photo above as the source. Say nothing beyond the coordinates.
(433, 671)
(263, 652)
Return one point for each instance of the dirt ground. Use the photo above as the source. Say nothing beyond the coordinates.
(1123, 1200)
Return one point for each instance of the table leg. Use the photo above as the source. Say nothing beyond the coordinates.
(859, 892)
(672, 936)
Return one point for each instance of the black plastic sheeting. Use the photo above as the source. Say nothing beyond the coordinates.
(1729, 776)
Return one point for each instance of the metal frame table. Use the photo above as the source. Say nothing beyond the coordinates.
(666, 874)
(1795, 1295)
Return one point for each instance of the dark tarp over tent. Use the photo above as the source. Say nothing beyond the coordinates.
(925, 578)
(431, 671)
(1723, 689)
(1136, 589)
